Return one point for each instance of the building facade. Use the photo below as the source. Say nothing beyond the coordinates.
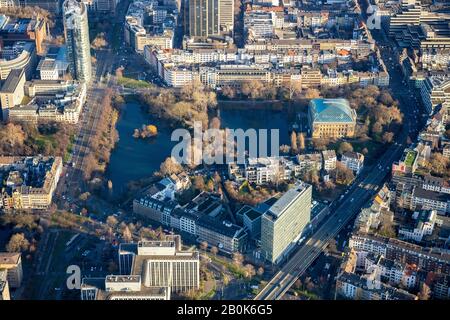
(76, 30)
(283, 224)
(331, 118)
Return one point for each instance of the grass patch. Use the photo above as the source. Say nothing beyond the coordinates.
(208, 295)
(234, 269)
(410, 158)
(133, 83)
(308, 295)
(42, 141)
(69, 148)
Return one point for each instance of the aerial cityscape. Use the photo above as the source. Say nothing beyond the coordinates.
(225, 150)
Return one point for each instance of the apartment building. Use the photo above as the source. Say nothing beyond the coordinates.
(262, 170)
(407, 163)
(356, 287)
(430, 200)
(30, 182)
(435, 260)
(423, 225)
(309, 162)
(353, 160)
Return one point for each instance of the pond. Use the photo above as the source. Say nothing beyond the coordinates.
(133, 159)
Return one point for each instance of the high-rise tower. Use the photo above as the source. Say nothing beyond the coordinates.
(77, 39)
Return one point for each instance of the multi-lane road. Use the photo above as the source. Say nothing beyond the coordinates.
(356, 197)
(107, 59)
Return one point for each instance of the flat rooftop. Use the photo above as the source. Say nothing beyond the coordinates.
(12, 81)
(280, 206)
(9, 258)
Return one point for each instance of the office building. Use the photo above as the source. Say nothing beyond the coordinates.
(23, 29)
(161, 264)
(224, 235)
(77, 40)
(331, 118)
(12, 91)
(226, 15)
(4, 286)
(54, 64)
(20, 55)
(12, 263)
(329, 160)
(203, 18)
(353, 160)
(284, 222)
(121, 287)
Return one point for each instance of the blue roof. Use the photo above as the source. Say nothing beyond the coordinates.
(331, 110)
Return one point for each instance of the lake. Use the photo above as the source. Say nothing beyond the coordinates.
(133, 159)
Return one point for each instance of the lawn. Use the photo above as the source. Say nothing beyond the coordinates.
(234, 269)
(69, 148)
(43, 140)
(133, 83)
(410, 158)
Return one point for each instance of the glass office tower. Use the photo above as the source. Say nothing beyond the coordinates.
(77, 40)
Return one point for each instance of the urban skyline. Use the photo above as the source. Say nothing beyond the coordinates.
(135, 162)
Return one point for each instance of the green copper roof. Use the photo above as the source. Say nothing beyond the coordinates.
(331, 110)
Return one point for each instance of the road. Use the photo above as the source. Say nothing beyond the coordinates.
(357, 196)
(107, 59)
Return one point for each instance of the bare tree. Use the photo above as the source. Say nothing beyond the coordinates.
(17, 243)
(170, 166)
(203, 245)
(111, 221)
(301, 141)
(425, 292)
(260, 271)
(238, 258)
(294, 148)
(214, 250)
